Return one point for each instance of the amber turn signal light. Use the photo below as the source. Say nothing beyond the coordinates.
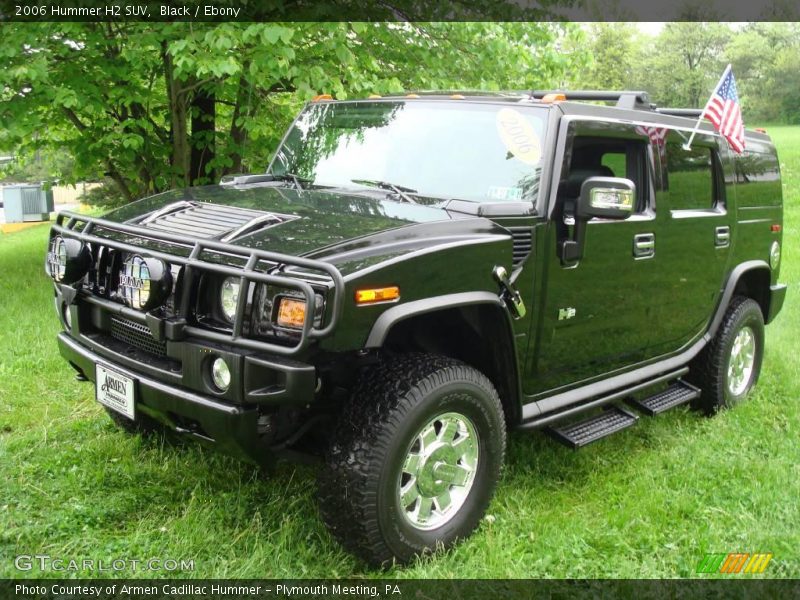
(372, 295)
(291, 313)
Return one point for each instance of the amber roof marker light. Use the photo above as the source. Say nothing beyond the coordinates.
(551, 98)
(375, 295)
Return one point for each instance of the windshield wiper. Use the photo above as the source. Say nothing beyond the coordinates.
(295, 179)
(385, 185)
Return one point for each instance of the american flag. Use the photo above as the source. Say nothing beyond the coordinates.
(723, 110)
(658, 138)
(657, 135)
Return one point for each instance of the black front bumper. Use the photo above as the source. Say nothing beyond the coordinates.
(231, 428)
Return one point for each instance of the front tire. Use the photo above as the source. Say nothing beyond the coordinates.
(728, 368)
(415, 458)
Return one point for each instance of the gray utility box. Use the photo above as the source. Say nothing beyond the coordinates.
(27, 202)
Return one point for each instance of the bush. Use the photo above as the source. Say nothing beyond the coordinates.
(106, 195)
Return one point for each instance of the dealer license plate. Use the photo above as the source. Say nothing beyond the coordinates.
(115, 391)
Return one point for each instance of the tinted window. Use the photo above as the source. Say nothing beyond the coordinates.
(758, 179)
(604, 157)
(615, 161)
(690, 178)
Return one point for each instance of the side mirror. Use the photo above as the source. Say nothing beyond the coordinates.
(602, 197)
(606, 198)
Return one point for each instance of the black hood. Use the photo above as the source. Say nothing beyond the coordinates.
(282, 219)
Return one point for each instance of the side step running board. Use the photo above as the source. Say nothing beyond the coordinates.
(678, 393)
(577, 435)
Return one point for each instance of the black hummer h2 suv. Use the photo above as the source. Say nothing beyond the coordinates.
(415, 275)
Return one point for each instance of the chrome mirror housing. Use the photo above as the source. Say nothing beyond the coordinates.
(607, 198)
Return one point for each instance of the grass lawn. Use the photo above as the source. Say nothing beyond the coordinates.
(646, 503)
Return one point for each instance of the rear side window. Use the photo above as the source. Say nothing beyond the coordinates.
(690, 178)
(758, 177)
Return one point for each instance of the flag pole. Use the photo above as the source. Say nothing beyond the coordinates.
(688, 145)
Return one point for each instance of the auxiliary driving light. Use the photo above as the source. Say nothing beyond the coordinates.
(68, 260)
(220, 374)
(144, 282)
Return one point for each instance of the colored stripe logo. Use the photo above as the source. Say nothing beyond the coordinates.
(734, 562)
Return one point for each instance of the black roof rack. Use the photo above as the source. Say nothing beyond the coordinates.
(681, 112)
(624, 98)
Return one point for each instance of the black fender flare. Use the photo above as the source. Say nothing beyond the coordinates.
(380, 329)
(383, 325)
(727, 292)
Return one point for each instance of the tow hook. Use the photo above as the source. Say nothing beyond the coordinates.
(510, 294)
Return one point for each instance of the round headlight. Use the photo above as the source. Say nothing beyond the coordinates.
(229, 297)
(220, 374)
(68, 260)
(774, 255)
(144, 282)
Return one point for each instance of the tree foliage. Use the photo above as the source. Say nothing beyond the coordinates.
(681, 65)
(159, 106)
(613, 48)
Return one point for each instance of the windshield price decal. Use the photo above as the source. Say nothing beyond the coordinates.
(519, 136)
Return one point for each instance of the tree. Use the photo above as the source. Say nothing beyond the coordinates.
(685, 62)
(765, 58)
(613, 56)
(157, 106)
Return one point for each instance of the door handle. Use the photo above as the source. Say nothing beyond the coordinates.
(644, 245)
(722, 236)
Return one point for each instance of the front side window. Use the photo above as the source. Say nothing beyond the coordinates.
(592, 156)
(441, 150)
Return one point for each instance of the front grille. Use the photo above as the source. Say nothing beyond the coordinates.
(137, 335)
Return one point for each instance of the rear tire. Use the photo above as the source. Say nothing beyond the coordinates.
(728, 368)
(415, 458)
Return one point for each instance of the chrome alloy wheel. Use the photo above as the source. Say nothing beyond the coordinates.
(438, 471)
(741, 361)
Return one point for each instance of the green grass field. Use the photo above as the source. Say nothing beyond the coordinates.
(646, 503)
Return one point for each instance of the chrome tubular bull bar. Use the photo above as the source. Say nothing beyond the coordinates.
(194, 263)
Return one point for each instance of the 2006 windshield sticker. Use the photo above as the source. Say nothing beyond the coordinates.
(519, 136)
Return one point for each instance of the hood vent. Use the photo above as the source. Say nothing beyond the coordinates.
(523, 243)
(208, 221)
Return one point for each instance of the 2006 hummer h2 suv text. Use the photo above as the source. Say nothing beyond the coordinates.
(415, 275)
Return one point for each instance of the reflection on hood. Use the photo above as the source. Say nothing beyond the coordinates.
(283, 220)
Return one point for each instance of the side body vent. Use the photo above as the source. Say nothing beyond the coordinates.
(523, 243)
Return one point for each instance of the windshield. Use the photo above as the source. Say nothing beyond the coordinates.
(445, 150)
